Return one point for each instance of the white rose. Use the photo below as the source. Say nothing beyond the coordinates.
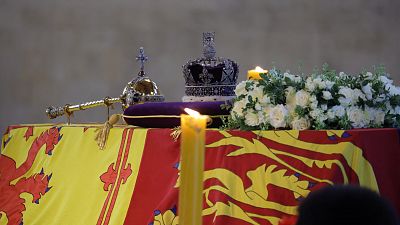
(241, 89)
(326, 95)
(313, 98)
(329, 84)
(238, 107)
(393, 90)
(314, 105)
(262, 117)
(266, 100)
(278, 116)
(357, 117)
(290, 95)
(379, 117)
(324, 107)
(319, 83)
(339, 110)
(351, 96)
(380, 98)
(300, 123)
(347, 93)
(302, 98)
(251, 118)
(358, 94)
(266, 111)
(385, 80)
(368, 91)
(256, 93)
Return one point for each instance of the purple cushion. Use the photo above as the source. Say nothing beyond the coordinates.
(172, 108)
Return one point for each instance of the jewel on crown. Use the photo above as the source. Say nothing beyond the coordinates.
(210, 78)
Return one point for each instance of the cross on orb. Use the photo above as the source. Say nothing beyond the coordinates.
(142, 58)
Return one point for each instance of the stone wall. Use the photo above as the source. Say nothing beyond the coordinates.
(58, 52)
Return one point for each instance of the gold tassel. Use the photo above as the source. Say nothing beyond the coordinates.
(103, 132)
(176, 132)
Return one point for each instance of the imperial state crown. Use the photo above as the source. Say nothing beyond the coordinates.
(210, 78)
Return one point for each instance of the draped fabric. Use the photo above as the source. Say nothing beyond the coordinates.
(56, 174)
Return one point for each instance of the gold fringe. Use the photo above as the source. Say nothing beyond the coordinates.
(103, 132)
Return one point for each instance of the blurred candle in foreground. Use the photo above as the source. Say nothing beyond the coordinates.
(256, 73)
(192, 165)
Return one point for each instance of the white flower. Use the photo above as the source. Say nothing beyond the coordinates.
(342, 75)
(302, 98)
(329, 84)
(379, 117)
(278, 116)
(314, 102)
(380, 98)
(326, 95)
(256, 93)
(294, 78)
(348, 96)
(358, 94)
(310, 85)
(266, 100)
(263, 116)
(324, 107)
(300, 123)
(266, 111)
(238, 107)
(351, 96)
(369, 76)
(251, 118)
(368, 91)
(314, 105)
(319, 83)
(241, 89)
(385, 80)
(397, 110)
(393, 90)
(318, 114)
(290, 95)
(331, 114)
(357, 117)
(338, 110)
(257, 106)
(313, 98)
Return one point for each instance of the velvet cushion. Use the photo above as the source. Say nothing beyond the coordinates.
(159, 109)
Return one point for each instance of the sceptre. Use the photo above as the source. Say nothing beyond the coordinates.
(139, 90)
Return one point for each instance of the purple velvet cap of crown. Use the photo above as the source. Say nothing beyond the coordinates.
(172, 108)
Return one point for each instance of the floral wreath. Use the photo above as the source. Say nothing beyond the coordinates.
(322, 100)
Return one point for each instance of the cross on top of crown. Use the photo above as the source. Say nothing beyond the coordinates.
(142, 58)
(209, 45)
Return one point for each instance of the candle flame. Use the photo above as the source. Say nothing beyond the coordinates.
(259, 69)
(192, 112)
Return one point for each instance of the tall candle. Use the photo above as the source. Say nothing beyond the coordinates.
(192, 165)
(256, 73)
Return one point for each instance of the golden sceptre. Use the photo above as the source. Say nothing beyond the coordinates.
(141, 89)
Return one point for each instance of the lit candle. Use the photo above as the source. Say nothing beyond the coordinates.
(256, 73)
(192, 165)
